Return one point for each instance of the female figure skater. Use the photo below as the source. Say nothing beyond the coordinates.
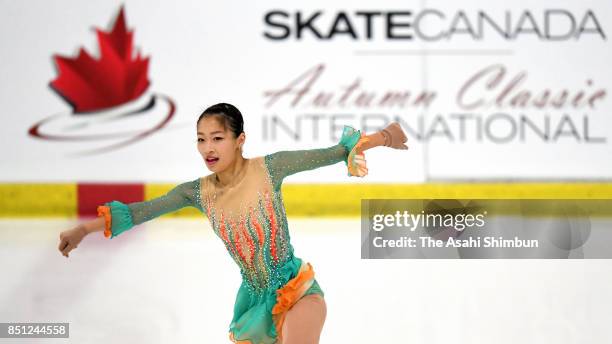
(279, 299)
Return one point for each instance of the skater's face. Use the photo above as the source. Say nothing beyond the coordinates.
(218, 145)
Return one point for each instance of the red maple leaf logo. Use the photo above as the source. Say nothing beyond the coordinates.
(116, 78)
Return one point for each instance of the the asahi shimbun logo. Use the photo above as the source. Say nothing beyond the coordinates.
(108, 96)
(430, 25)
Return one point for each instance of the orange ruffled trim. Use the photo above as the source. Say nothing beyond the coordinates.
(290, 293)
(104, 210)
(353, 169)
(286, 297)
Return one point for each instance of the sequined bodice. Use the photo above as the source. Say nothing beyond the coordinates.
(251, 221)
(249, 217)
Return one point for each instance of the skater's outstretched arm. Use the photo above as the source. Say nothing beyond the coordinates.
(116, 217)
(350, 150)
(121, 217)
(71, 238)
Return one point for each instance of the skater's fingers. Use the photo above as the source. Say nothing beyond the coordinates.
(65, 253)
(67, 249)
(62, 244)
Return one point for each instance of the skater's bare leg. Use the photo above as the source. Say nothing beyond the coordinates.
(304, 321)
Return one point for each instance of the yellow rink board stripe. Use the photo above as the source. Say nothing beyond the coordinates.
(329, 200)
(38, 200)
(344, 199)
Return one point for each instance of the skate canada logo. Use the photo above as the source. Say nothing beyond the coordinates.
(494, 98)
(430, 25)
(109, 96)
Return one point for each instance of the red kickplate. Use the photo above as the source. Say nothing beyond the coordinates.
(91, 195)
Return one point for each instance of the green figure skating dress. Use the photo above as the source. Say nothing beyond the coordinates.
(250, 219)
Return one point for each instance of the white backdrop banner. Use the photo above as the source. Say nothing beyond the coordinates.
(100, 91)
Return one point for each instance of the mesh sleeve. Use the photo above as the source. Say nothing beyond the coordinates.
(120, 217)
(285, 163)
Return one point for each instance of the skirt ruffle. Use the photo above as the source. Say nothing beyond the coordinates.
(258, 319)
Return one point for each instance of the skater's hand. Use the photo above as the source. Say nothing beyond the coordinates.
(71, 238)
(395, 137)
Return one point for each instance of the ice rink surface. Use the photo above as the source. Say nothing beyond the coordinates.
(171, 281)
